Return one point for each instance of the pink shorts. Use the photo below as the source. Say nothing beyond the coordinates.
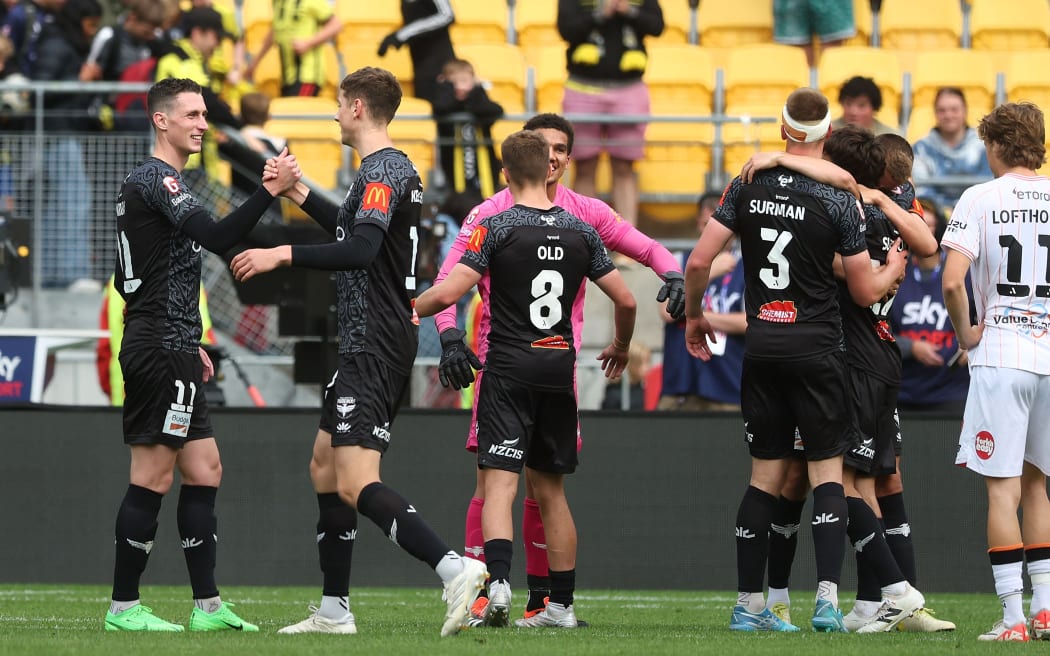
(472, 432)
(620, 140)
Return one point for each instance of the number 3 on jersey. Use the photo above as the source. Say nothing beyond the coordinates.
(547, 288)
(777, 276)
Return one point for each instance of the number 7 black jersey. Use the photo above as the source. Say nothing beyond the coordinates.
(790, 228)
(537, 262)
(375, 304)
(158, 266)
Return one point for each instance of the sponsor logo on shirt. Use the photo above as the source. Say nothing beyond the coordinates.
(171, 184)
(984, 445)
(882, 329)
(177, 423)
(344, 405)
(376, 197)
(778, 312)
(477, 238)
(553, 342)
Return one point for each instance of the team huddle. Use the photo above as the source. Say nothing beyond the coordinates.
(824, 245)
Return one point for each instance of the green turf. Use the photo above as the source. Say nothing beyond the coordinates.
(48, 619)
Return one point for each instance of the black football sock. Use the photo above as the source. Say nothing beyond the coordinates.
(898, 534)
(783, 540)
(135, 529)
(752, 538)
(336, 533)
(198, 530)
(498, 554)
(400, 522)
(539, 589)
(865, 534)
(563, 586)
(829, 530)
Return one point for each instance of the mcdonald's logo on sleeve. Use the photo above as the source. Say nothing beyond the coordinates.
(377, 197)
(477, 238)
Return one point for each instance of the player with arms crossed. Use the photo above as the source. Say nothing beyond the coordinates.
(790, 229)
(999, 229)
(376, 231)
(457, 358)
(527, 414)
(161, 228)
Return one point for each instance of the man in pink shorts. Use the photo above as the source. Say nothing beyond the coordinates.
(458, 361)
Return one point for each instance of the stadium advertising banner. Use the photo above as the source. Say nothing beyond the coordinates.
(23, 362)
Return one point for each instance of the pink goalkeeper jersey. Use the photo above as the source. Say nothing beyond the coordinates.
(616, 234)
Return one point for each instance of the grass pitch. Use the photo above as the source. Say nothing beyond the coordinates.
(47, 619)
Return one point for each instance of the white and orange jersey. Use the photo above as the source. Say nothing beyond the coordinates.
(1003, 227)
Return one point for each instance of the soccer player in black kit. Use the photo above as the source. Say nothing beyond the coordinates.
(376, 231)
(538, 257)
(790, 228)
(161, 228)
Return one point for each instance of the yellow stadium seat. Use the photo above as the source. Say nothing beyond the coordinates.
(763, 74)
(969, 70)
(863, 20)
(415, 133)
(502, 66)
(536, 23)
(478, 21)
(548, 65)
(267, 77)
(364, 22)
(256, 21)
(332, 71)
(1026, 77)
(1012, 25)
(922, 25)
(840, 64)
(308, 125)
(920, 122)
(680, 79)
(398, 62)
(677, 159)
(725, 23)
(744, 139)
(676, 24)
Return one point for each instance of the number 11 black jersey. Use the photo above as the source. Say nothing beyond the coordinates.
(790, 228)
(537, 261)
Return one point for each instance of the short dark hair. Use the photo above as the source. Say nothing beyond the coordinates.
(1015, 132)
(550, 121)
(855, 149)
(526, 156)
(161, 96)
(899, 156)
(709, 199)
(857, 87)
(377, 88)
(807, 105)
(255, 108)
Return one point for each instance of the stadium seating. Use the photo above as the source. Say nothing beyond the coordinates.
(924, 25)
(396, 61)
(758, 75)
(535, 22)
(548, 65)
(728, 23)
(478, 21)
(267, 77)
(256, 19)
(1013, 25)
(680, 79)
(314, 139)
(364, 22)
(502, 66)
(1026, 77)
(862, 18)
(840, 64)
(333, 72)
(416, 137)
(970, 70)
(676, 23)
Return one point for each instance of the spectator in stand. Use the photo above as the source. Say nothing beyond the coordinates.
(935, 375)
(255, 112)
(951, 148)
(796, 22)
(861, 99)
(300, 28)
(606, 59)
(689, 383)
(468, 158)
(425, 30)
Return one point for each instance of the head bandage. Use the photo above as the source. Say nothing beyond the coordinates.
(806, 132)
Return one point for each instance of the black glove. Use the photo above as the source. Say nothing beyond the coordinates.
(673, 291)
(390, 40)
(454, 368)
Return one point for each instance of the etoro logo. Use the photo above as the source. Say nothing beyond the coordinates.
(984, 445)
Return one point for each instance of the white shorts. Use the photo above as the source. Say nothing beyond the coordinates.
(1006, 422)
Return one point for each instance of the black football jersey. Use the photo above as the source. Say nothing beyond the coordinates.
(158, 266)
(375, 304)
(790, 228)
(537, 262)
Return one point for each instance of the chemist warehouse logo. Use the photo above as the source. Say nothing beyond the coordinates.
(377, 197)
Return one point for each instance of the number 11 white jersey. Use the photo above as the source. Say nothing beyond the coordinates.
(1003, 226)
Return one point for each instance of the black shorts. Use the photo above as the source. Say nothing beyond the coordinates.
(164, 397)
(361, 401)
(875, 404)
(813, 395)
(522, 426)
